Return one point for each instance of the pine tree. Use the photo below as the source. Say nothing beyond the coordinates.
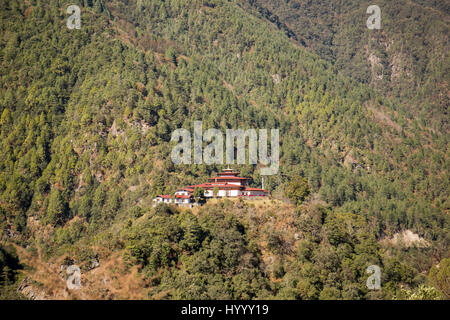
(57, 208)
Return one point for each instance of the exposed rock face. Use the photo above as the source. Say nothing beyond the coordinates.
(407, 238)
(94, 263)
(31, 292)
(376, 67)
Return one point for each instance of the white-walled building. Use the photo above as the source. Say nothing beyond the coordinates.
(179, 199)
(226, 184)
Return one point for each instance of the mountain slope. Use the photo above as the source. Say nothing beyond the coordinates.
(407, 59)
(87, 117)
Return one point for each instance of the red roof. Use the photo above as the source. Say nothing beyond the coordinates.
(224, 174)
(203, 185)
(218, 185)
(182, 196)
(225, 181)
(178, 196)
(228, 178)
(254, 189)
(199, 185)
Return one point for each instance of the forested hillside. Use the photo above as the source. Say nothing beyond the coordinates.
(85, 128)
(407, 59)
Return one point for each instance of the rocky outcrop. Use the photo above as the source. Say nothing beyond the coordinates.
(29, 290)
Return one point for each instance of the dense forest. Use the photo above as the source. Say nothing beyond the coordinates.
(85, 133)
(406, 60)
